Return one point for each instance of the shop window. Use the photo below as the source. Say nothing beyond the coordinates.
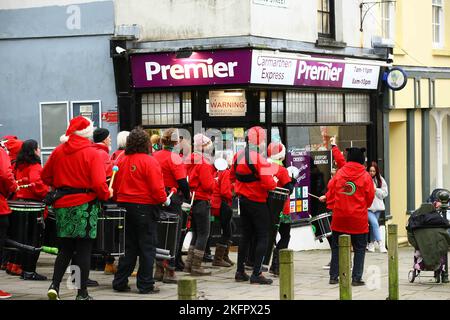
(262, 106)
(54, 118)
(437, 24)
(300, 107)
(277, 106)
(330, 107)
(325, 18)
(187, 107)
(357, 107)
(161, 108)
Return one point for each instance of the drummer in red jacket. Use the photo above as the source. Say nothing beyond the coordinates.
(28, 171)
(253, 179)
(76, 171)
(353, 192)
(102, 142)
(221, 208)
(139, 188)
(201, 181)
(8, 185)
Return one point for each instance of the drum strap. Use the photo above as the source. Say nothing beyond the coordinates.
(52, 196)
(246, 178)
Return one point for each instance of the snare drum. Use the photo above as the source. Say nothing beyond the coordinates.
(111, 230)
(50, 239)
(26, 206)
(276, 200)
(168, 231)
(321, 225)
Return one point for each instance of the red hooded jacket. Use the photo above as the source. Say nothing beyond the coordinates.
(139, 180)
(353, 191)
(283, 178)
(117, 155)
(340, 162)
(76, 164)
(201, 176)
(103, 150)
(256, 191)
(31, 174)
(7, 182)
(172, 167)
(222, 191)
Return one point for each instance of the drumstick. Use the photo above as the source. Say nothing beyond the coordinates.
(312, 195)
(192, 199)
(114, 169)
(172, 191)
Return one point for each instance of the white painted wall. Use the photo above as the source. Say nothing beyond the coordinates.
(184, 19)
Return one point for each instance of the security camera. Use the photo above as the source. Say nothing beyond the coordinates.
(120, 50)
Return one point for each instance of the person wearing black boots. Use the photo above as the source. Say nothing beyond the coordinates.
(252, 175)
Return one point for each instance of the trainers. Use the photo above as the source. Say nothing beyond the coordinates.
(86, 297)
(150, 291)
(260, 279)
(53, 292)
(241, 277)
(5, 295)
(122, 289)
(371, 247)
(333, 281)
(327, 266)
(32, 276)
(358, 283)
(91, 283)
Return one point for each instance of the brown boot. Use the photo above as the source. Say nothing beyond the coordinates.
(196, 269)
(159, 271)
(188, 262)
(218, 256)
(169, 275)
(226, 258)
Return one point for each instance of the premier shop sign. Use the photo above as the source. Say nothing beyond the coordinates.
(244, 66)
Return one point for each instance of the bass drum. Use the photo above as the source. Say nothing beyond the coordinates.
(49, 238)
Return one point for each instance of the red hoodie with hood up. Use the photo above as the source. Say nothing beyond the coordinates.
(76, 164)
(353, 192)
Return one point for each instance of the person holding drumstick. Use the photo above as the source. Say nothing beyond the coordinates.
(139, 188)
(78, 175)
(7, 186)
(353, 192)
(253, 179)
(28, 170)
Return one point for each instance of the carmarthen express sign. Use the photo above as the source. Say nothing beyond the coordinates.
(250, 66)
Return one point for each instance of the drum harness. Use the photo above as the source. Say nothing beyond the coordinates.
(246, 178)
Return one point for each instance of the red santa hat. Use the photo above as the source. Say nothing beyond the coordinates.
(80, 126)
(13, 146)
(256, 136)
(276, 151)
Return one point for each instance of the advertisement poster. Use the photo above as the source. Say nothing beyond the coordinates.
(314, 168)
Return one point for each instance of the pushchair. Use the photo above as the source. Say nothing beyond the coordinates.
(427, 233)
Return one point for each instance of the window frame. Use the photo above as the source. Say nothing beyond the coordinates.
(387, 7)
(47, 148)
(331, 17)
(440, 5)
(87, 102)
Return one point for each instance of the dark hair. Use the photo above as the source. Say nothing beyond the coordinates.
(137, 142)
(27, 153)
(378, 181)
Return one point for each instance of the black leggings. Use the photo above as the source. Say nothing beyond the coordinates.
(200, 224)
(80, 250)
(226, 213)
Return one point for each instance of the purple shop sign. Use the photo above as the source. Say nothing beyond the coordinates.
(201, 68)
(300, 201)
(319, 74)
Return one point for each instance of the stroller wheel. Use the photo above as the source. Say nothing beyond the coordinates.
(412, 276)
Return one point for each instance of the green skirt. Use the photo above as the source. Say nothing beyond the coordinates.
(78, 221)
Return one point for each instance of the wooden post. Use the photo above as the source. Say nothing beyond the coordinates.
(187, 289)
(345, 277)
(286, 274)
(393, 261)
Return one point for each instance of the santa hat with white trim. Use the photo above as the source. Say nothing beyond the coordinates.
(276, 151)
(80, 126)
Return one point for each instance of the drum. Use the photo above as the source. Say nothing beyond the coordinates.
(26, 206)
(49, 238)
(111, 230)
(321, 225)
(276, 201)
(168, 229)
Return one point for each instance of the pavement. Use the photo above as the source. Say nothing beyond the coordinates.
(311, 282)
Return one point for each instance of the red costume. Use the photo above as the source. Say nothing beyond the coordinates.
(76, 164)
(7, 182)
(283, 178)
(172, 167)
(31, 174)
(103, 150)
(201, 177)
(139, 180)
(222, 191)
(340, 162)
